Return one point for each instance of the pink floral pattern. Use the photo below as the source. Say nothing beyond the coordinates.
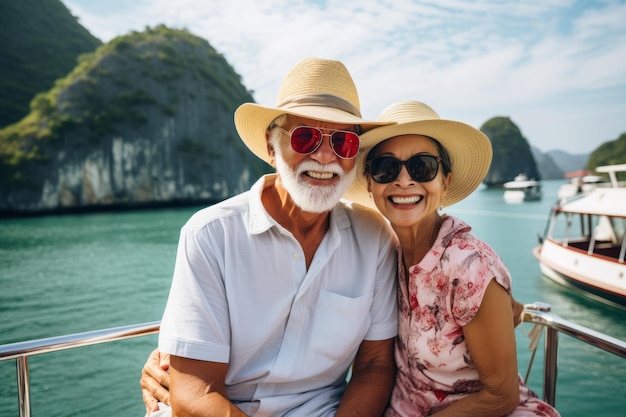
(442, 294)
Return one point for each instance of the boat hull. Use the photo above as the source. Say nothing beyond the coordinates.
(519, 196)
(596, 277)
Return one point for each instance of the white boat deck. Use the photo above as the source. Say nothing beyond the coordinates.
(585, 243)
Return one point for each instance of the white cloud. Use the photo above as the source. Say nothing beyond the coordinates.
(556, 67)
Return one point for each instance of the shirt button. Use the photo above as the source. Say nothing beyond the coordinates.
(296, 256)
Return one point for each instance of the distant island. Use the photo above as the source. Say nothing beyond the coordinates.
(512, 155)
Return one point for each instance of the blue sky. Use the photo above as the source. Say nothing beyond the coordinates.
(557, 68)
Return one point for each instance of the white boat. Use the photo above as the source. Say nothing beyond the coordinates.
(522, 189)
(581, 181)
(585, 242)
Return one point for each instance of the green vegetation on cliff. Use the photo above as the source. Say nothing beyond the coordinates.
(115, 90)
(40, 42)
(610, 153)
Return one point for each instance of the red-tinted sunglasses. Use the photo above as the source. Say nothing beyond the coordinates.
(307, 139)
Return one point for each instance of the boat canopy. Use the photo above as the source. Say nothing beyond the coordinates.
(601, 201)
(611, 170)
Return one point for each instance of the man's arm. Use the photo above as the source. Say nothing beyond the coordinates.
(372, 380)
(198, 389)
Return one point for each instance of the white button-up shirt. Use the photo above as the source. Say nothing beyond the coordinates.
(241, 294)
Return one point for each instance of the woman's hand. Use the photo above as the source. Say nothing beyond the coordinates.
(518, 308)
(155, 381)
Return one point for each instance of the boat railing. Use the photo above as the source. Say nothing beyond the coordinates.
(604, 242)
(537, 313)
(21, 351)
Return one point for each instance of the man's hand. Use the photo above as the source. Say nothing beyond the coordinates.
(155, 381)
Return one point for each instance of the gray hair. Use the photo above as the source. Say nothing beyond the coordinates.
(274, 133)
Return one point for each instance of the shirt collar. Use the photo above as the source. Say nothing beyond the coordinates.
(260, 220)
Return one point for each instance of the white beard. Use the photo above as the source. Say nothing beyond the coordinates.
(312, 198)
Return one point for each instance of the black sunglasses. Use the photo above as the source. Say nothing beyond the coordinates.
(422, 168)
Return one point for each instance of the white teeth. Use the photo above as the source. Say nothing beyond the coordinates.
(406, 200)
(320, 175)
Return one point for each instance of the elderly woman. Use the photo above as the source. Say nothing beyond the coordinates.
(456, 351)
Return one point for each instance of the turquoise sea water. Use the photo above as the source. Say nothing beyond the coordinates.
(74, 273)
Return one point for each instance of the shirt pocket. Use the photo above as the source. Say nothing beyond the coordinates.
(339, 325)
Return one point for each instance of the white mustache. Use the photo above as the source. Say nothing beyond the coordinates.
(316, 166)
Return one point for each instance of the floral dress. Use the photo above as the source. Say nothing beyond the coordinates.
(444, 293)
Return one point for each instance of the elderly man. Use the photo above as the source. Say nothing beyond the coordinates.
(278, 291)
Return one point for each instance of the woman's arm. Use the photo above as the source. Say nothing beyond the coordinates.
(372, 380)
(490, 338)
(198, 389)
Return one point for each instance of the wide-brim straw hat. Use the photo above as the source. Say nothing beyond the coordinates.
(469, 149)
(314, 88)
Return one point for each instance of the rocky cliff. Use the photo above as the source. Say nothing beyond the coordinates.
(511, 152)
(39, 42)
(146, 119)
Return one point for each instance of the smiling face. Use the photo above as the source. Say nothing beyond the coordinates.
(405, 201)
(316, 181)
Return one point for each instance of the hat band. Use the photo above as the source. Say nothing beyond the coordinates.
(322, 100)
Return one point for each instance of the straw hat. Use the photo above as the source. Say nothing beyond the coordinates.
(469, 148)
(315, 89)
